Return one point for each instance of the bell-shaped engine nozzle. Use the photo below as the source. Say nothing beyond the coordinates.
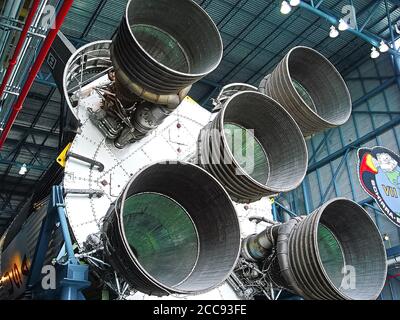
(174, 229)
(164, 46)
(310, 88)
(335, 253)
(253, 147)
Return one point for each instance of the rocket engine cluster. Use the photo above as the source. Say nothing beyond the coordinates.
(172, 227)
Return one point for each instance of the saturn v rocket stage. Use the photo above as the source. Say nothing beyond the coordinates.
(159, 191)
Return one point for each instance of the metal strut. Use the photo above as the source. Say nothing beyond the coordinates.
(72, 277)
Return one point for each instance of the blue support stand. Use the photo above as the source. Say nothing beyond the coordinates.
(72, 277)
(274, 212)
(73, 280)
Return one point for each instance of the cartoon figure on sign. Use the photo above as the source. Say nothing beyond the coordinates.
(379, 174)
(389, 166)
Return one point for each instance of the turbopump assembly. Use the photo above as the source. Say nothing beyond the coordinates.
(160, 50)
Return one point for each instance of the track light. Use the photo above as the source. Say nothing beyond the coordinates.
(383, 47)
(294, 3)
(23, 170)
(333, 33)
(386, 237)
(374, 53)
(285, 7)
(343, 26)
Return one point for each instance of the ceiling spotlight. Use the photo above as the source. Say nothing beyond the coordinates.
(294, 3)
(333, 33)
(386, 237)
(343, 26)
(23, 170)
(285, 7)
(383, 47)
(374, 53)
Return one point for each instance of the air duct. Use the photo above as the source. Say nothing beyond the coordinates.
(333, 254)
(253, 147)
(311, 89)
(173, 230)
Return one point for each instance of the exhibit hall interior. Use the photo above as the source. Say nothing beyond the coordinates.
(207, 150)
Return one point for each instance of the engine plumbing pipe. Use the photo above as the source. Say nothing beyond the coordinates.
(35, 68)
(21, 41)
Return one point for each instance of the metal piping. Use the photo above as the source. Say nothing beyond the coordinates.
(19, 46)
(35, 69)
(22, 67)
(27, 44)
(11, 11)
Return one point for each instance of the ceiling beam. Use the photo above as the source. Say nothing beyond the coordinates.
(21, 193)
(19, 165)
(16, 190)
(34, 146)
(355, 144)
(34, 130)
(369, 38)
(6, 215)
(93, 19)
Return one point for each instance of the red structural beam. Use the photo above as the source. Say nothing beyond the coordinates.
(35, 68)
(392, 276)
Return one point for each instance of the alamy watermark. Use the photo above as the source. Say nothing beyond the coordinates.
(349, 16)
(49, 280)
(229, 146)
(349, 278)
(236, 147)
(48, 18)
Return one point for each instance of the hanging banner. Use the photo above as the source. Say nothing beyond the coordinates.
(379, 174)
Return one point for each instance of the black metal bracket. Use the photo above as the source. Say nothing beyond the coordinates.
(89, 192)
(93, 163)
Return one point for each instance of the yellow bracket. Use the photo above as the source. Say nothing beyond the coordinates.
(190, 100)
(62, 158)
